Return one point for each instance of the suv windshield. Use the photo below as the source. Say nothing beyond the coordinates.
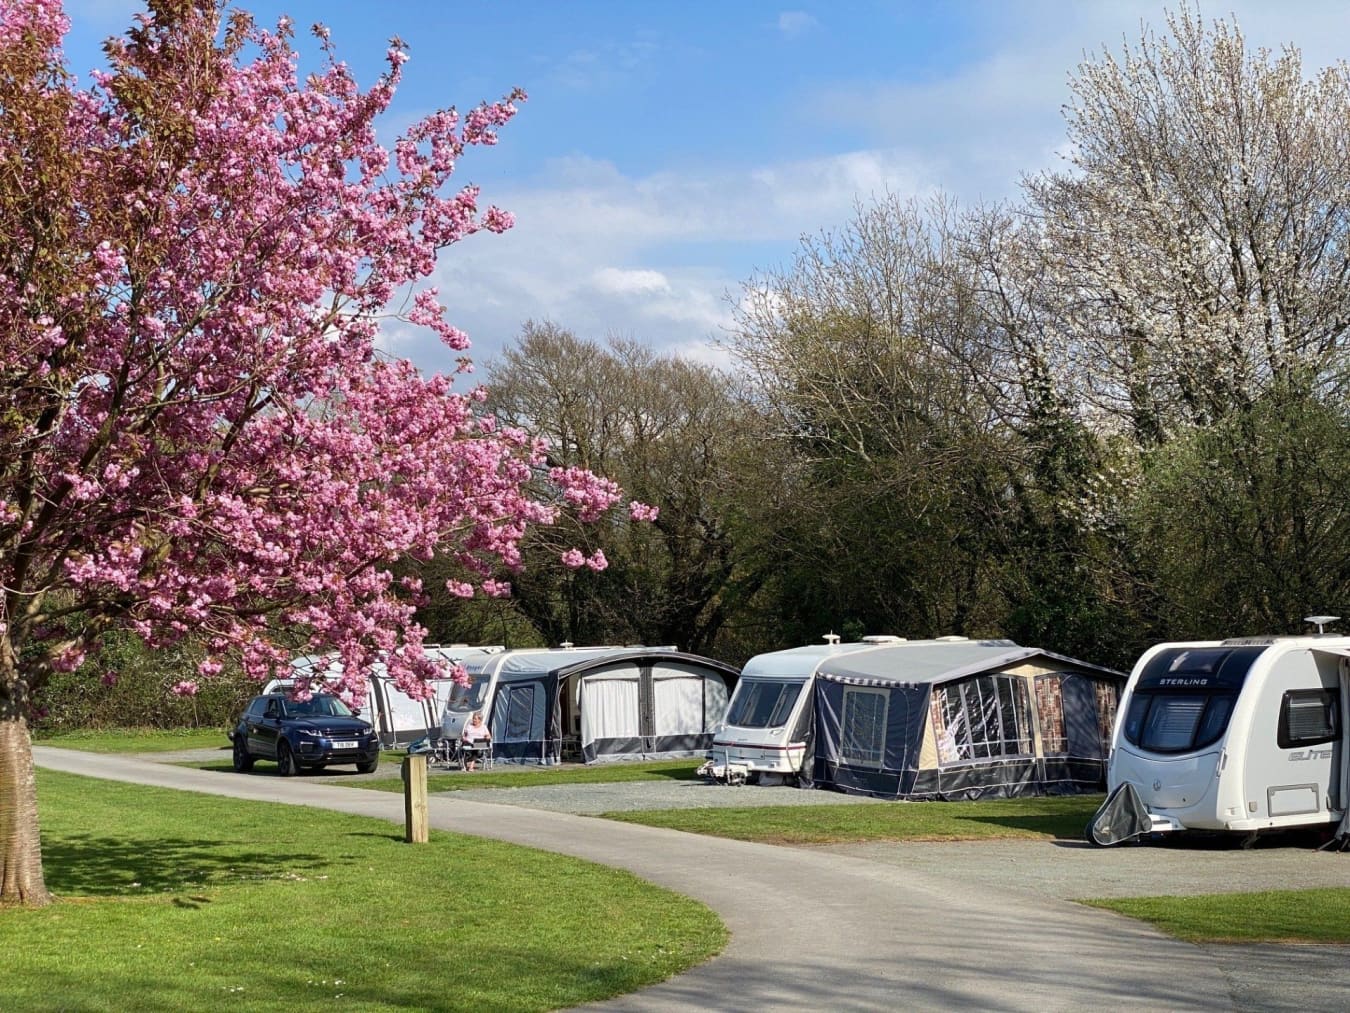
(763, 703)
(320, 706)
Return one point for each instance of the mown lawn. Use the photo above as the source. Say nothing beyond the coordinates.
(1061, 818)
(138, 740)
(1276, 916)
(172, 900)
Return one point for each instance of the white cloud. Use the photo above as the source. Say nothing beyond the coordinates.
(617, 281)
(793, 23)
(687, 242)
(987, 122)
(655, 257)
(606, 64)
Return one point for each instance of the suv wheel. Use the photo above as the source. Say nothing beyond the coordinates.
(369, 767)
(242, 760)
(286, 765)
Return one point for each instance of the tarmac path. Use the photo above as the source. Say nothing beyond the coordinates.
(820, 930)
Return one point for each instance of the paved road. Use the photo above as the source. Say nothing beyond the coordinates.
(814, 930)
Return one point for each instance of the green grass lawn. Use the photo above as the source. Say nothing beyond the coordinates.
(503, 776)
(1280, 916)
(172, 900)
(138, 740)
(1061, 817)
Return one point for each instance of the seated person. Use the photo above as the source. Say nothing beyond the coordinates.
(476, 739)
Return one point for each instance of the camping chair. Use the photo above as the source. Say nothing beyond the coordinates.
(478, 752)
(444, 753)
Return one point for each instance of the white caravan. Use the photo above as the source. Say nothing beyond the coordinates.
(1237, 736)
(475, 697)
(397, 717)
(767, 733)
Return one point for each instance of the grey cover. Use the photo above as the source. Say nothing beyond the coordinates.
(1122, 817)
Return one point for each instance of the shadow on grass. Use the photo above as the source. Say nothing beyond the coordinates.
(98, 866)
(1296, 839)
(265, 768)
(396, 838)
(215, 768)
(1056, 826)
(1067, 828)
(675, 774)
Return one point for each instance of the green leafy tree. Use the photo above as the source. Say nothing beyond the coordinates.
(1247, 519)
(677, 436)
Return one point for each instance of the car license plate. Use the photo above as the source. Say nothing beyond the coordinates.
(344, 744)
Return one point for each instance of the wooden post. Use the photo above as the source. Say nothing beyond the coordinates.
(415, 798)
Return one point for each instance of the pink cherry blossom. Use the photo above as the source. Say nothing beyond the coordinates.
(199, 437)
(642, 512)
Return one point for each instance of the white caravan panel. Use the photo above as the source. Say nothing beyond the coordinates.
(677, 701)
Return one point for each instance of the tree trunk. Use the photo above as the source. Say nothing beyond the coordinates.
(21, 881)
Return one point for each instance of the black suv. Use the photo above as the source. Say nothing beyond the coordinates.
(303, 733)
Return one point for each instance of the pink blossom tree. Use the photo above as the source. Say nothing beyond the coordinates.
(197, 435)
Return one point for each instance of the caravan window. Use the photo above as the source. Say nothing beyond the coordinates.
(469, 698)
(1177, 722)
(981, 718)
(1308, 717)
(863, 729)
(763, 703)
(1055, 725)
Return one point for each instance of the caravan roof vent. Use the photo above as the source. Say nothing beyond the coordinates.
(949, 639)
(881, 638)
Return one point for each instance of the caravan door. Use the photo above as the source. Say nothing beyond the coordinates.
(398, 718)
(611, 721)
(521, 708)
(685, 704)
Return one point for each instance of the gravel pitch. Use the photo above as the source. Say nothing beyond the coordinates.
(626, 796)
(1073, 870)
(1061, 869)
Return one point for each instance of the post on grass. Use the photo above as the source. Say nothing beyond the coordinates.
(415, 798)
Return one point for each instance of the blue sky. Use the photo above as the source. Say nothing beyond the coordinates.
(669, 150)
